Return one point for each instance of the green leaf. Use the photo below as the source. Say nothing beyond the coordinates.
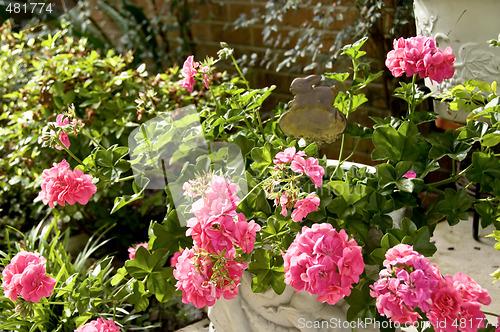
(119, 275)
(454, 205)
(262, 158)
(353, 50)
(170, 235)
(356, 130)
(491, 139)
(126, 199)
(388, 241)
(339, 77)
(144, 262)
(488, 212)
(447, 144)
(138, 296)
(266, 274)
(361, 303)
(161, 285)
(485, 171)
(395, 145)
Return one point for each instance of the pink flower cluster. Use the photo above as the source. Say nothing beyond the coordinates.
(405, 284)
(61, 122)
(288, 197)
(60, 185)
(132, 251)
(409, 282)
(216, 226)
(26, 276)
(420, 55)
(457, 301)
(99, 325)
(189, 72)
(211, 268)
(203, 279)
(298, 164)
(324, 262)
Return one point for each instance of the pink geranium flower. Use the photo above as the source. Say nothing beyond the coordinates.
(287, 155)
(132, 251)
(35, 283)
(62, 185)
(26, 276)
(188, 72)
(304, 206)
(61, 122)
(216, 226)
(99, 325)
(324, 262)
(310, 167)
(200, 283)
(420, 55)
(410, 175)
(406, 283)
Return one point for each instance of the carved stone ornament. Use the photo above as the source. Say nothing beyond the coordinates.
(466, 26)
(289, 312)
(312, 115)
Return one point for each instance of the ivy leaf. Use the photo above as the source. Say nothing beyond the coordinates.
(138, 296)
(396, 145)
(454, 205)
(488, 213)
(144, 262)
(161, 284)
(266, 274)
(262, 158)
(356, 130)
(447, 144)
(170, 235)
(120, 274)
(485, 171)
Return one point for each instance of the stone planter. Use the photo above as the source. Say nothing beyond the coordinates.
(465, 26)
(290, 311)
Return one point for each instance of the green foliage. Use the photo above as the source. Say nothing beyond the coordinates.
(83, 290)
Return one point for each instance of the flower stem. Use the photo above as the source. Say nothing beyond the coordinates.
(96, 143)
(131, 177)
(67, 150)
(239, 71)
(411, 104)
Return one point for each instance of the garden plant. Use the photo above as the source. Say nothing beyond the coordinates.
(97, 145)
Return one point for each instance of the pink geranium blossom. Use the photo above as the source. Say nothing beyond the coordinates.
(405, 284)
(420, 55)
(99, 325)
(304, 206)
(62, 185)
(61, 122)
(26, 276)
(188, 72)
(324, 262)
(200, 282)
(132, 251)
(458, 299)
(216, 226)
(410, 175)
(287, 155)
(310, 167)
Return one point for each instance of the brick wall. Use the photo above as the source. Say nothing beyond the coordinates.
(212, 23)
